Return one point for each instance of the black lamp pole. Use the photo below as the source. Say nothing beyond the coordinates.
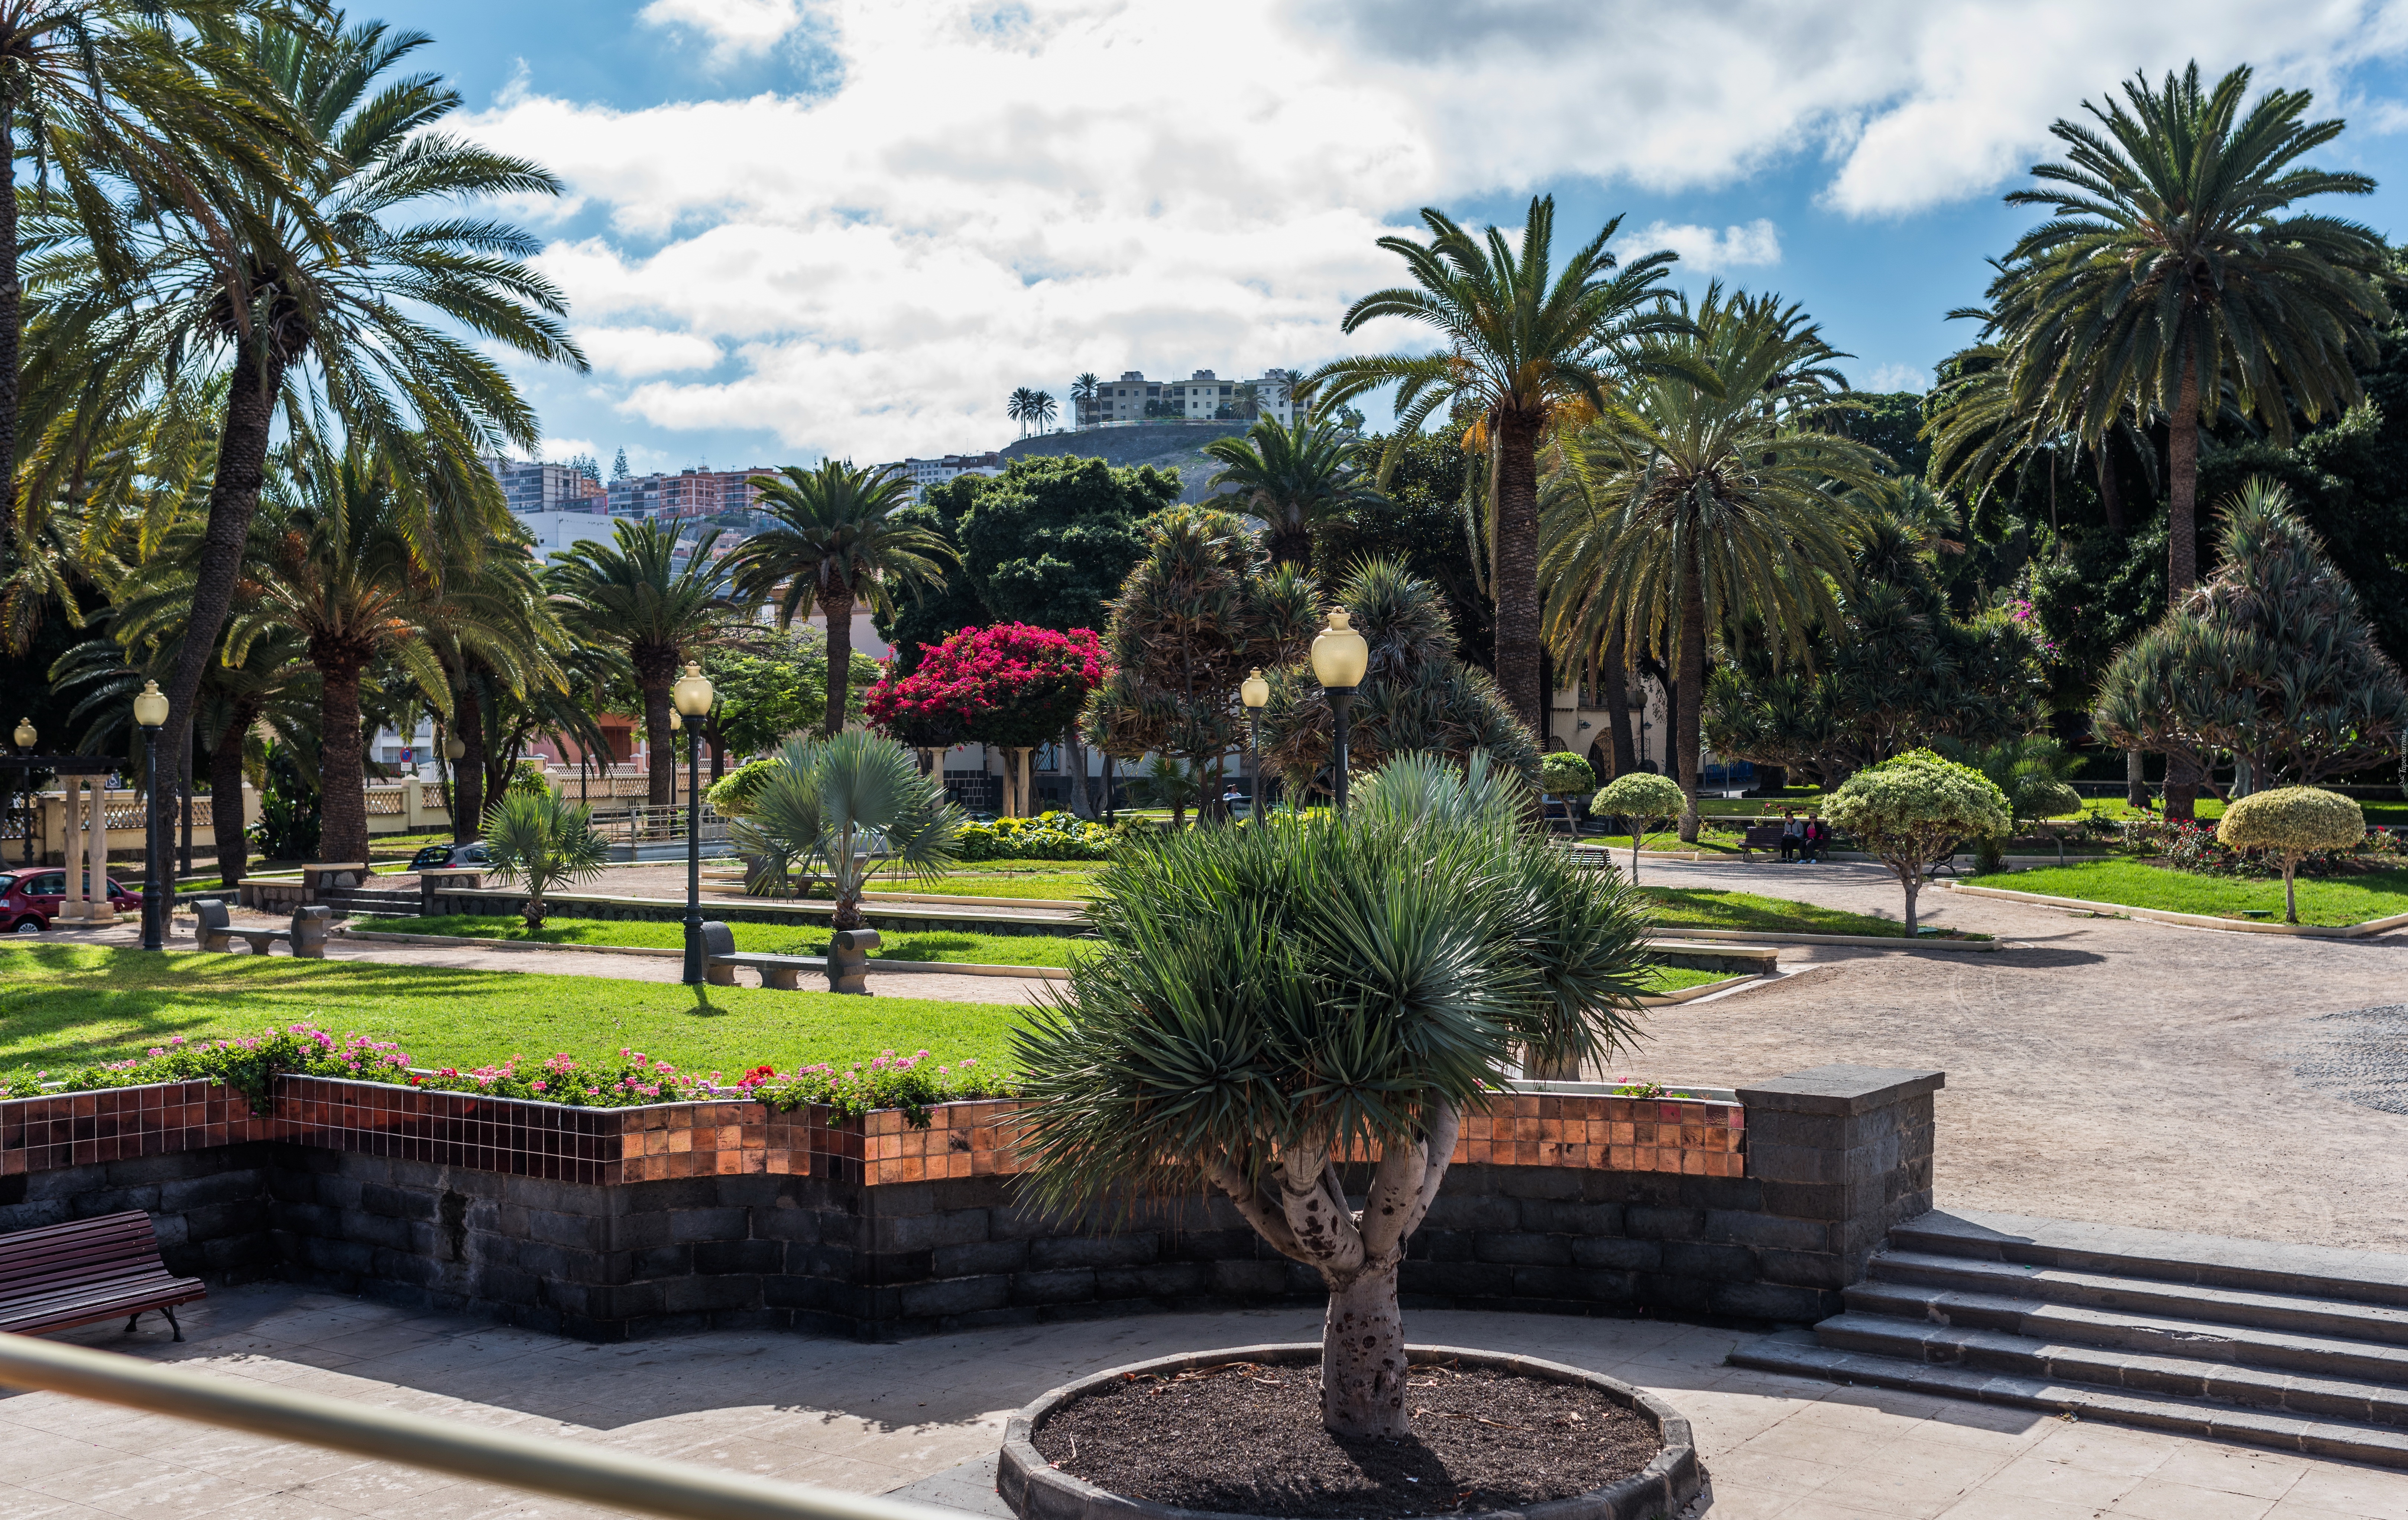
(693, 856)
(1255, 715)
(1341, 702)
(152, 938)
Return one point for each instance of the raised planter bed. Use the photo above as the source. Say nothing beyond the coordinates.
(1037, 1489)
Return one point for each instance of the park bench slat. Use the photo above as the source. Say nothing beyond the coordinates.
(58, 1276)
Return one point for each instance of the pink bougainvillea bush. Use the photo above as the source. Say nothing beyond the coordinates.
(1008, 684)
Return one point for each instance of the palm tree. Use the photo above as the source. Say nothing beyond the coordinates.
(1683, 509)
(1022, 408)
(1292, 477)
(339, 293)
(1522, 345)
(838, 546)
(2172, 277)
(342, 570)
(544, 842)
(103, 94)
(1042, 410)
(631, 593)
(1085, 386)
(844, 807)
(522, 671)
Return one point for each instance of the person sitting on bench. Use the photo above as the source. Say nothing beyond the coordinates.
(1811, 846)
(1793, 835)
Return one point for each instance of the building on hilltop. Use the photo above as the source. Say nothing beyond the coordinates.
(1203, 397)
(923, 473)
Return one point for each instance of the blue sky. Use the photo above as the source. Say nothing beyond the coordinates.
(795, 229)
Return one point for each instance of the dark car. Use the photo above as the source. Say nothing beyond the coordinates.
(438, 856)
(28, 900)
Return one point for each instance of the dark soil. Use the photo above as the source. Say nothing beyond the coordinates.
(1248, 1439)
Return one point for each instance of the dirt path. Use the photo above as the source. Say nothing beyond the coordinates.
(2109, 1070)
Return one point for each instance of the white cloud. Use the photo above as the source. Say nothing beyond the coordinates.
(561, 451)
(734, 26)
(1899, 377)
(998, 198)
(1704, 250)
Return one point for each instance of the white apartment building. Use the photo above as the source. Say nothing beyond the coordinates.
(1203, 397)
(554, 532)
(923, 473)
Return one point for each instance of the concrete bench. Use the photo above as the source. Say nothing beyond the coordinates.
(270, 895)
(321, 877)
(846, 966)
(437, 879)
(306, 938)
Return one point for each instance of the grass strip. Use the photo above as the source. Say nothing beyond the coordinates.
(63, 1005)
(1709, 908)
(760, 939)
(2332, 900)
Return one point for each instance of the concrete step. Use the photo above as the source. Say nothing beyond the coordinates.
(2343, 1440)
(2245, 1345)
(2293, 1312)
(2159, 1256)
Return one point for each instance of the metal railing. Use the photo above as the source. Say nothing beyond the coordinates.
(568, 1470)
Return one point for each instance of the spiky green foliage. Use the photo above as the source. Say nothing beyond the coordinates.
(1198, 613)
(1265, 1003)
(2173, 274)
(1896, 670)
(543, 843)
(1416, 694)
(1522, 343)
(2288, 822)
(839, 809)
(632, 595)
(1685, 508)
(1915, 810)
(839, 544)
(1293, 477)
(1643, 797)
(2271, 660)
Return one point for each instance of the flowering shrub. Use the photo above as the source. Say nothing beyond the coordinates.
(250, 1067)
(2191, 846)
(2026, 619)
(1011, 684)
(1049, 836)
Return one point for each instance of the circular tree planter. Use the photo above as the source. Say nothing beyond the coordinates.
(1036, 1490)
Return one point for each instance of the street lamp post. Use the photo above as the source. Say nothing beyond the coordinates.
(1256, 693)
(1339, 658)
(691, 697)
(149, 713)
(26, 740)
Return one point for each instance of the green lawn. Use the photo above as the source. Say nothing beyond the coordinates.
(1664, 978)
(1053, 885)
(770, 939)
(63, 1005)
(2344, 899)
(1709, 842)
(1704, 907)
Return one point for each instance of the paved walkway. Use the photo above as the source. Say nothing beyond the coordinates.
(2108, 1069)
(872, 1419)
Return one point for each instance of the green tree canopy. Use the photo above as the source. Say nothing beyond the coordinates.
(1916, 809)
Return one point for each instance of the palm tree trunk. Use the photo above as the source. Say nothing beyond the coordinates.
(234, 499)
(12, 316)
(836, 604)
(225, 796)
(659, 745)
(1613, 677)
(1690, 696)
(1516, 550)
(342, 775)
(2136, 781)
(718, 747)
(2109, 500)
(468, 771)
(2182, 554)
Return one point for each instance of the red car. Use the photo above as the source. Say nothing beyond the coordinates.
(30, 899)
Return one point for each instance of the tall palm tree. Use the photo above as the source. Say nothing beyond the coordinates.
(2173, 274)
(838, 546)
(1085, 387)
(1683, 509)
(507, 594)
(1042, 410)
(1522, 346)
(342, 295)
(342, 570)
(1293, 477)
(632, 595)
(1021, 408)
(106, 95)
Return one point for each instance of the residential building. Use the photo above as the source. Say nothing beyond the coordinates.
(687, 494)
(533, 486)
(554, 532)
(923, 473)
(1203, 397)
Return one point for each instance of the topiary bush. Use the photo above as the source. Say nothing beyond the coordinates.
(1643, 797)
(1913, 810)
(2288, 822)
(1562, 773)
(731, 795)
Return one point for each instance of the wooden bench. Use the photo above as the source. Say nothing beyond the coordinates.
(60, 1276)
(1759, 836)
(306, 938)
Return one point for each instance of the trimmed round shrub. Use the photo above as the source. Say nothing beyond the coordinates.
(1641, 796)
(1562, 773)
(2038, 797)
(2290, 823)
(1916, 809)
(731, 795)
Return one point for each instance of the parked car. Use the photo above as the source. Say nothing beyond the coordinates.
(438, 856)
(28, 900)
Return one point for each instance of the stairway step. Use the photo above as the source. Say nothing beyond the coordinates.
(2338, 1439)
(2161, 1255)
(2302, 1394)
(2247, 1345)
(2143, 1296)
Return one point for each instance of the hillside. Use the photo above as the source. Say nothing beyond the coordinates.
(1162, 445)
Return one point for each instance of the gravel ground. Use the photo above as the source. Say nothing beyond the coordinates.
(2104, 1069)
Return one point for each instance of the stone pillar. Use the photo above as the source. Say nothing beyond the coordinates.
(71, 847)
(98, 909)
(1842, 1153)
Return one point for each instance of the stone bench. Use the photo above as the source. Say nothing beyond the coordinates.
(306, 938)
(440, 879)
(846, 966)
(322, 877)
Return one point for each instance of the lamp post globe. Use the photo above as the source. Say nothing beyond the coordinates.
(150, 715)
(453, 749)
(1340, 656)
(1256, 694)
(691, 697)
(26, 737)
